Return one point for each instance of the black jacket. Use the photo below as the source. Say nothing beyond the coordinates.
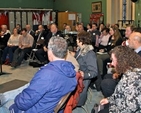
(58, 33)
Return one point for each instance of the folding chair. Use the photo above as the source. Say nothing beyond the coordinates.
(62, 103)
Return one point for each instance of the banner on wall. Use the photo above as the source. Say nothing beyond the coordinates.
(4, 18)
(97, 18)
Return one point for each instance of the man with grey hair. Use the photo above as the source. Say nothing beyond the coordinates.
(49, 84)
(135, 42)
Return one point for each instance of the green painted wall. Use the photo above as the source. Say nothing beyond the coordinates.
(138, 13)
(80, 6)
(26, 4)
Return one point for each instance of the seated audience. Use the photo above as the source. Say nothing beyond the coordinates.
(80, 28)
(49, 84)
(25, 46)
(87, 62)
(109, 83)
(101, 27)
(4, 36)
(114, 40)
(18, 27)
(89, 27)
(85, 28)
(135, 42)
(40, 36)
(41, 53)
(129, 29)
(104, 38)
(95, 34)
(126, 97)
(67, 29)
(30, 31)
(12, 45)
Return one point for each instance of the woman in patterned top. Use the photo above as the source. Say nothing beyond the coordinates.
(127, 95)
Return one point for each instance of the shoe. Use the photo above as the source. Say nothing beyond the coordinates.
(14, 64)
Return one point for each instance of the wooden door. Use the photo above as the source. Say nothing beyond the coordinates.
(67, 17)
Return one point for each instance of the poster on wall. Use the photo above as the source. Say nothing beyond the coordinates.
(97, 18)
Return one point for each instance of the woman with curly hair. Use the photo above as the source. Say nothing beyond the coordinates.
(127, 95)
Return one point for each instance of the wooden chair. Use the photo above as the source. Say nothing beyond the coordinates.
(62, 103)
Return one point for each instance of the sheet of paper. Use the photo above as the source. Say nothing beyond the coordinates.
(71, 17)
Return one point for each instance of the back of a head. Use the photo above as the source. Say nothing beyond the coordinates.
(58, 46)
(138, 29)
(84, 37)
(24, 29)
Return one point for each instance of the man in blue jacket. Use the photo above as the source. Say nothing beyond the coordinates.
(49, 84)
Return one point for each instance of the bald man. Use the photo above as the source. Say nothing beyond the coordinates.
(135, 42)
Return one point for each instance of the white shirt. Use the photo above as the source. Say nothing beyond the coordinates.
(104, 40)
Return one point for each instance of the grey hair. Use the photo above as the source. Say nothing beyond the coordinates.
(58, 46)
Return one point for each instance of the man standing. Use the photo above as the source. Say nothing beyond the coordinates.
(25, 46)
(49, 84)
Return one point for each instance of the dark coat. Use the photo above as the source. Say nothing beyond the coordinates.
(88, 64)
(139, 53)
(58, 33)
(3, 40)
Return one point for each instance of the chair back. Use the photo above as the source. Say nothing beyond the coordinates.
(62, 103)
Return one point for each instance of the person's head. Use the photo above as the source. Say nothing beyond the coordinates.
(64, 25)
(83, 38)
(134, 40)
(105, 31)
(138, 29)
(94, 26)
(40, 28)
(18, 26)
(4, 28)
(124, 58)
(129, 30)
(101, 25)
(89, 26)
(57, 48)
(24, 31)
(68, 28)
(28, 27)
(117, 26)
(53, 28)
(76, 27)
(80, 28)
(15, 31)
(108, 25)
(114, 31)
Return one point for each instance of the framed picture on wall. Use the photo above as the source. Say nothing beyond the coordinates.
(97, 7)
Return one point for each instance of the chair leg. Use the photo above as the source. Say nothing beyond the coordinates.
(85, 109)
